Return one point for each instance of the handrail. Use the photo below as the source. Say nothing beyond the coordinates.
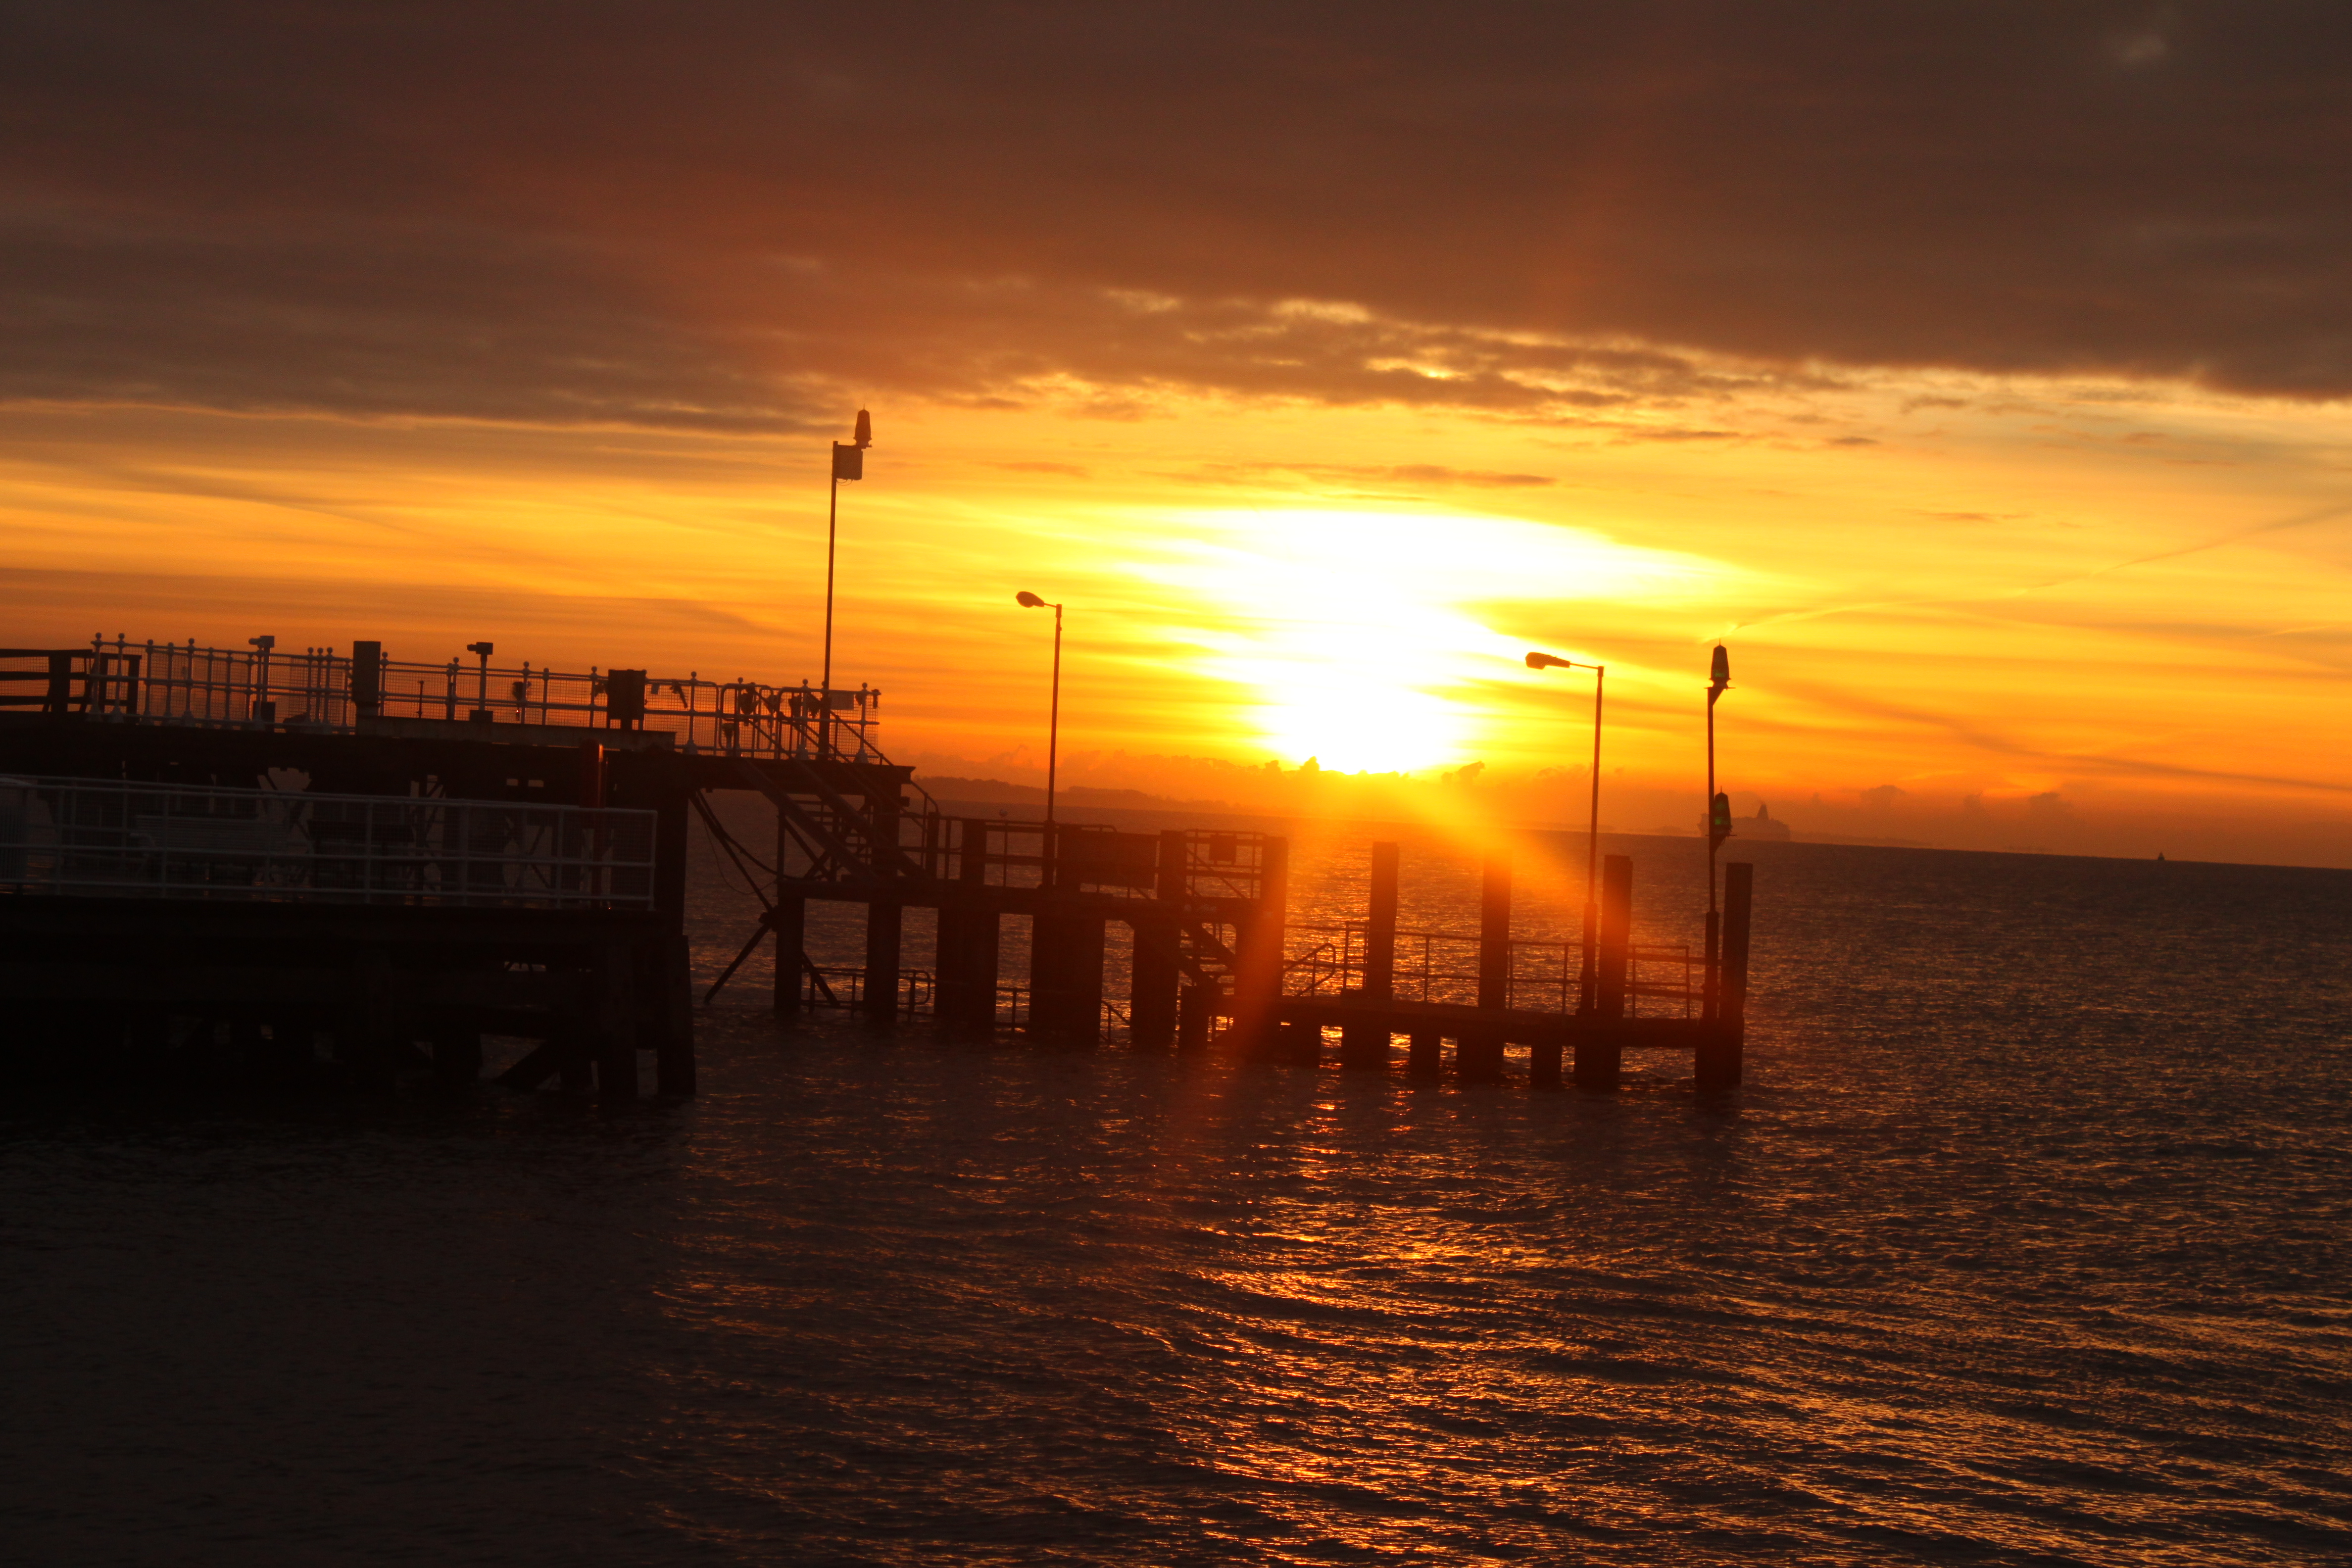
(319, 688)
(117, 838)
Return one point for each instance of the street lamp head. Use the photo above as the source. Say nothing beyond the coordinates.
(1719, 673)
(1546, 661)
(865, 437)
(1028, 601)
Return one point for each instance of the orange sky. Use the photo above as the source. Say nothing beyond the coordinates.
(1992, 571)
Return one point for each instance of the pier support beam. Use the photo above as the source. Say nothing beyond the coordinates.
(1599, 1060)
(1720, 1060)
(1365, 1045)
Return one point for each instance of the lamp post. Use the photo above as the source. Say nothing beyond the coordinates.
(1029, 601)
(848, 463)
(1590, 965)
(1718, 828)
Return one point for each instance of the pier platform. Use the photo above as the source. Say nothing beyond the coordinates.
(252, 856)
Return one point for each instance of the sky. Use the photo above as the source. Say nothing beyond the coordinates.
(1974, 372)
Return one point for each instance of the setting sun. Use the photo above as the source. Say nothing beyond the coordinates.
(1348, 638)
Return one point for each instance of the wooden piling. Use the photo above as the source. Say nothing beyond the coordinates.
(1721, 1059)
(1365, 1043)
(1196, 1011)
(367, 1037)
(1381, 926)
(884, 927)
(1478, 1053)
(968, 941)
(1066, 978)
(1599, 1055)
(674, 1044)
(670, 811)
(612, 1023)
(789, 920)
(1424, 1055)
(1257, 986)
(1157, 969)
(456, 1055)
(1543, 1064)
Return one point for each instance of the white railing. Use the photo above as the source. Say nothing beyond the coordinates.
(107, 839)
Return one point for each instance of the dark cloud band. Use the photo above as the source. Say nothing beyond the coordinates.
(709, 214)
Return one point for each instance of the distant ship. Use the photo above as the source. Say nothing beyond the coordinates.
(1763, 824)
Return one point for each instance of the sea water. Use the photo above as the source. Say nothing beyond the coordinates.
(2024, 1244)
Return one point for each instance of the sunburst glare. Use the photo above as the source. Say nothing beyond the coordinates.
(1361, 638)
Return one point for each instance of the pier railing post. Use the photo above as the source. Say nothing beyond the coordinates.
(1365, 1043)
(1721, 1057)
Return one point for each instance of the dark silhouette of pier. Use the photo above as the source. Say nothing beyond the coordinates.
(283, 864)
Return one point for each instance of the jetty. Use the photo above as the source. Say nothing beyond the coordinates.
(290, 865)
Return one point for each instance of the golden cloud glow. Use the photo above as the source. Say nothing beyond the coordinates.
(2124, 599)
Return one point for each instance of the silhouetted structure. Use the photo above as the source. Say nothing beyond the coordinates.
(424, 879)
(427, 879)
(1374, 982)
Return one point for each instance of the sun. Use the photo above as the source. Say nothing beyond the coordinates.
(1361, 638)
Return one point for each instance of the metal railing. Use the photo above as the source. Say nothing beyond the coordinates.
(316, 689)
(1442, 966)
(107, 839)
(842, 986)
(1096, 858)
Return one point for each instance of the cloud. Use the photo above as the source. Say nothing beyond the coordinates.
(1422, 475)
(721, 214)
